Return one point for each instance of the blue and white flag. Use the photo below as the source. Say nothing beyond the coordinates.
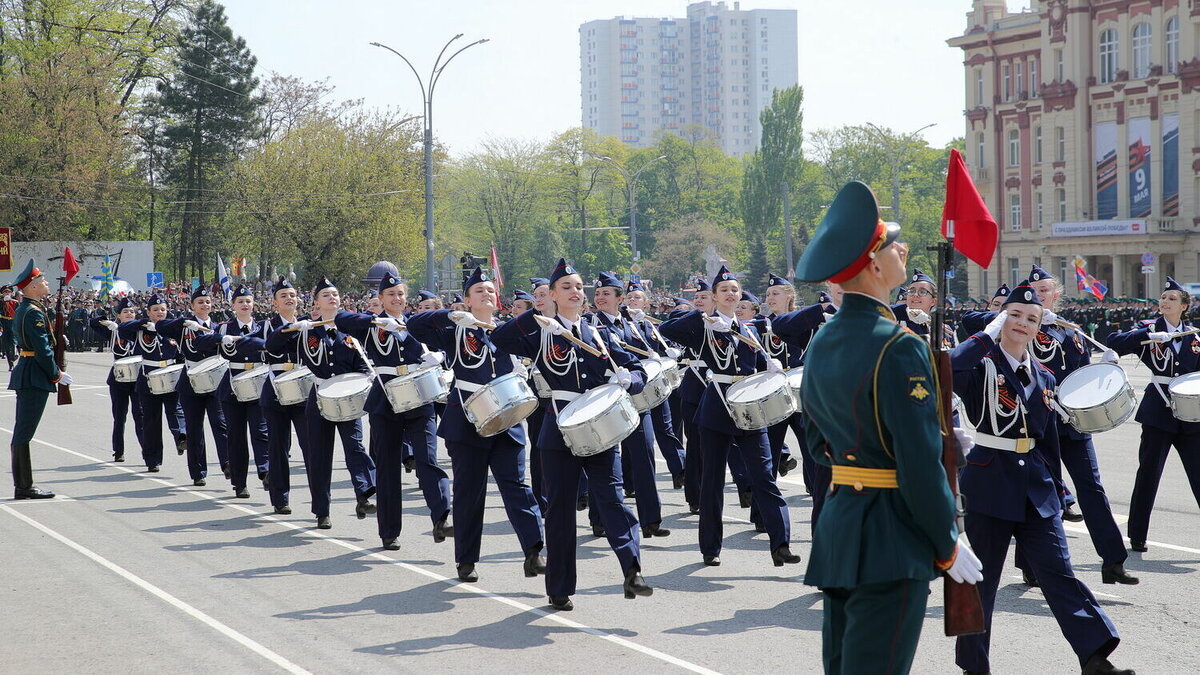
(223, 279)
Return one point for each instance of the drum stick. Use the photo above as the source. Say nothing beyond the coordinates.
(403, 326)
(572, 339)
(1063, 323)
(292, 328)
(635, 350)
(1175, 335)
(747, 340)
(485, 324)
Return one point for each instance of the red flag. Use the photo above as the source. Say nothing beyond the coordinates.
(495, 263)
(965, 218)
(70, 265)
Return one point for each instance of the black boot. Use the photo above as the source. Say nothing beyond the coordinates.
(784, 554)
(1100, 665)
(535, 564)
(1116, 574)
(467, 573)
(364, 507)
(654, 530)
(441, 530)
(22, 470)
(635, 585)
(562, 603)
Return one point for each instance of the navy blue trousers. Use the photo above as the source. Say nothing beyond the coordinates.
(536, 479)
(506, 461)
(1152, 458)
(154, 407)
(124, 401)
(244, 419)
(695, 458)
(755, 452)
(562, 471)
(195, 406)
(279, 446)
(1080, 618)
(667, 439)
(395, 438)
(319, 460)
(637, 453)
(1079, 457)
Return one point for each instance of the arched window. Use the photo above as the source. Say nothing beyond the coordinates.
(1141, 50)
(1108, 55)
(1172, 45)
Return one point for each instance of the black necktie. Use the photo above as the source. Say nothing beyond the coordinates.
(575, 330)
(245, 330)
(1023, 375)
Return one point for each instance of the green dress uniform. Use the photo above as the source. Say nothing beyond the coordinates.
(870, 402)
(33, 378)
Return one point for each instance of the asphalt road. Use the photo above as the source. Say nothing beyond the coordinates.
(129, 572)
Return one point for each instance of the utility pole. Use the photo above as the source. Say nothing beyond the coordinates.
(427, 105)
(631, 192)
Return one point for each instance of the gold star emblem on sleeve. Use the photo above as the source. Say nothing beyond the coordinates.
(919, 393)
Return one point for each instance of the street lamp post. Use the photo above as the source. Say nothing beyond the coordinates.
(631, 190)
(427, 104)
(897, 159)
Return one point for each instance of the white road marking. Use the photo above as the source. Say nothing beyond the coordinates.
(308, 531)
(163, 595)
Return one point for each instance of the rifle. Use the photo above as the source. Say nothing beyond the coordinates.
(963, 607)
(60, 343)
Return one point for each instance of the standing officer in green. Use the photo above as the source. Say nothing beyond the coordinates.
(34, 377)
(870, 403)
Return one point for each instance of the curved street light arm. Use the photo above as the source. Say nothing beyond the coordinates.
(424, 97)
(433, 72)
(438, 74)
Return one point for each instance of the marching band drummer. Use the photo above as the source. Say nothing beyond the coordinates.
(637, 450)
(157, 351)
(476, 362)
(781, 300)
(184, 331)
(571, 371)
(241, 419)
(327, 352)
(123, 395)
(1167, 357)
(393, 351)
(1008, 487)
(542, 305)
(285, 300)
(691, 390)
(728, 361)
(915, 310)
(644, 336)
(428, 302)
(522, 302)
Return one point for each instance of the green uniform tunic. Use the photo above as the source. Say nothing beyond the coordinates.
(35, 374)
(870, 401)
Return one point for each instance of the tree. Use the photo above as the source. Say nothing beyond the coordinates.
(211, 115)
(681, 247)
(778, 160)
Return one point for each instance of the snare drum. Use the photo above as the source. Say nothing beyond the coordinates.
(448, 379)
(206, 375)
(760, 400)
(417, 388)
(502, 403)
(127, 369)
(1185, 397)
(657, 387)
(1097, 397)
(248, 386)
(598, 420)
(293, 386)
(163, 380)
(342, 398)
(671, 371)
(795, 378)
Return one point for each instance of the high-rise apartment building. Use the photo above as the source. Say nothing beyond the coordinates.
(717, 68)
(1083, 136)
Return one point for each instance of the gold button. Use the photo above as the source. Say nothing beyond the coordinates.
(858, 486)
(852, 458)
(1022, 429)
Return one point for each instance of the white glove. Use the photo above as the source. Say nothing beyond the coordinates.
(389, 324)
(1109, 356)
(623, 377)
(108, 324)
(1048, 317)
(432, 358)
(303, 324)
(66, 379)
(918, 316)
(149, 325)
(556, 328)
(229, 339)
(965, 440)
(637, 315)
(720, 324)
(993, 329)
(464, 319)
(192, 325)
(1159, 336)
(673, 353)
(66, 341)
(774, 366)
(520, 370)
(966, 568)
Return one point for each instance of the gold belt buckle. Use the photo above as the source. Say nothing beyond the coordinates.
(1023, 445)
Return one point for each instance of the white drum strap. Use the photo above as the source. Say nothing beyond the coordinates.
(1160, 365)
(362, 353)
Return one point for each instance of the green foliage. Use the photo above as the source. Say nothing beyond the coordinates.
(778, 160)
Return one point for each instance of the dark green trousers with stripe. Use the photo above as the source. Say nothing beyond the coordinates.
(873, 628)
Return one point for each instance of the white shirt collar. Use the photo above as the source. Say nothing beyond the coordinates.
(728, 317)
(612, 317)
(1013, 363)
(567, 323)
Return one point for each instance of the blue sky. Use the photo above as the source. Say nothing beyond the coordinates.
(880, 61)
